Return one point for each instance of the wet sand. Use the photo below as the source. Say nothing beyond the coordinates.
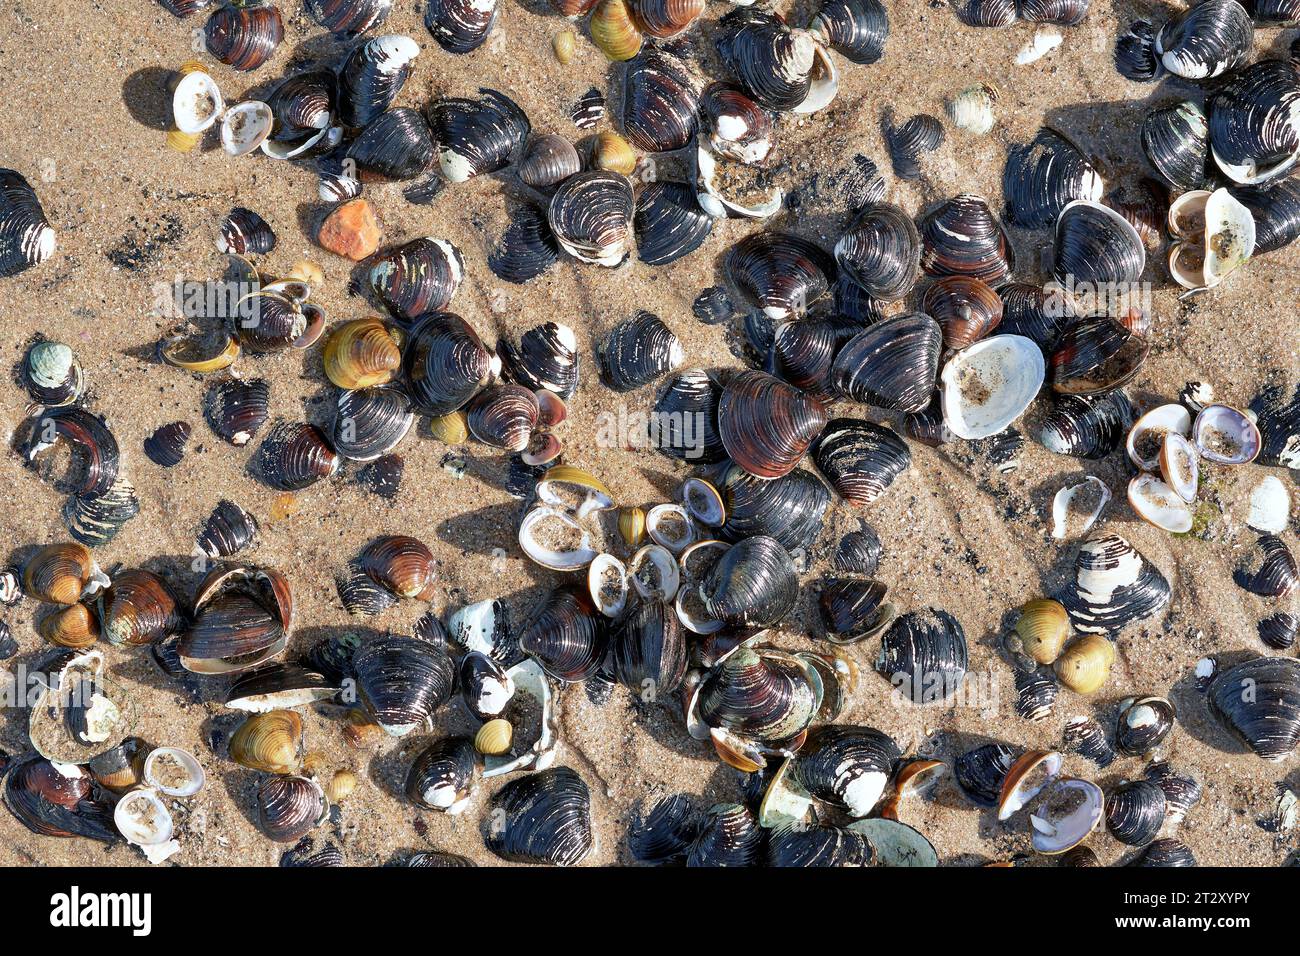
(82, 97)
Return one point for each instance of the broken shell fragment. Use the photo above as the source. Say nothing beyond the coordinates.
(1076, 508)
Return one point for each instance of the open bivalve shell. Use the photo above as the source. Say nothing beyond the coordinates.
(246, 126)
(1216, 235)
(1065, 809)
(197, 103)
(988, 385)
(1147, 436)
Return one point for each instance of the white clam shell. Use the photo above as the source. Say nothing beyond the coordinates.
(1147, 435)
(197, 103)
(1158, 504)
(1270, 506)
(246, 126)
(988, 385)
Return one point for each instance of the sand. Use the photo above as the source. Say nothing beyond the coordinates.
(83, 100)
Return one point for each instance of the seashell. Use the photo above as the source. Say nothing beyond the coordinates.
(855, 29)
(1035, 694)
(1254, 133)
(789, 509)
(589, 110)
(485, 686)
(296, 455)
(210, 351)
(891, 364)
(402, 681)
(1143, 723)
(728, 836)
(243, 37)
(818, 846)
(1226, 436)
(858, 552)
(303, 106)
(62, 574)
(197, 103)
(1043, 627)
(1044, 176)
(664, 833)
(1096, 248)
(1181, 792)
(923, 654)
(373, 75)
(137, 608)
(270, 742)
(56, 800)
(494, 738)
(668, 223)
(648, 651)
(1259, 701)
(1278, 422)
(270, 321)
(555, 540)
(278, 686)
(766, 425)
(638, 351)
(349, 16)
(910, 141)
(1135, 53)
(1084, 736)
(1276, 211)
(361, 353)
(782, 69)
(544, 817)
(236, 409)
(613, 29)
(1268, 569)
(738, 128)
(477, 137)
(961, 237)
(1176, 140)
(545, 358)
(1114, 587)
(881, 252)
(95, 519)
(402, 564)
(758, 696)
(1270, 506)
(780, 273)
(1167, 852)
(965, 308)
(666, 18)
(987, 386)
(753, 584)
(854, 609)
(803, 352)
(166, 446)
(72, 627)
(1085, 665)
(1216, 235)
(1034, 312)
(987, 13)
(1210, 39)
(591, 216)
(980, 772)
(686, 418)
(1280, 630)
(659, 103)
(483, 626)
(860, 459)
(371, 422)
(503, 416)
(442, 775)
(1086, 426)
(526, 249)
(972, 109)
(1066, 13)
(1146, 439)
(1096, 355)
(566, 636)
(1135, 812)
(847, 767)
(670, 527)
(288, 808)
(52, 375)
(242, 615)
(461, 26)
(548, 161)
(184, 8)
(396, 144)
(445, 363)
(88, 439)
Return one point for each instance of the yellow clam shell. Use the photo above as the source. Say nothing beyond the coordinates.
(494, 737)
(451, 429)
(72, 627)
(1044, 627)
(631, 525)
(341, 786)
(614, 153)
(182, 142)
(564, 45)
(362, 353)
(1085, 665)
(613, 30)
(270, 742)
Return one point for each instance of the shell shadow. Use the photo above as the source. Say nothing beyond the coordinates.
(147, 99)
(475, 532)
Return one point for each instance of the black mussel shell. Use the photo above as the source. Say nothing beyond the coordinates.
(966, 308)
(1096, 355)
(1080, 856)
(460, 26)
(591, 216)
(402, 680)
(383, 476)
(483, 626)
(1209, 39)
(1273, 11)
(729, 835)
(361, 594)
(1176, 140)
(185, 8)
(51, 374)
(789, 509)
(1135, 53)
(892, 364)
(910, 141)
(853, 609)
(1042, 177)
(1114, 586)
(760, 337)
(855, 303)
(961, 236)
(545, 358)
(686, 418)
(1167, 852)
(666, 18)
(1279, 426)
(302, 105)
(549, 160)
(445, 363)
(663, 834)
(240, 620)
(737, 127)
(1181, 792)
(668, 223)
(1268, 569)
(1035, 313)
(244, 232)
(774, 63)
(1276, 209)
(928, 426)
(1085, 736)
(1280, 630)
(26, 236)
(484, 685)
(923, 655)
(987, 13)
(639, 351)
(54, 805)
(860, 459)
(649, 651)
(1143, 723)
(754, 584)
(372, 76)
(567, 636)
(96, 519)
(311, 853)
(1250, 119)
(1036, 692)
(781, 273)
(1086, 426)
(272, 322)
(396, 144)
(1097, 250)
(166, 446)
(371, 422)
(855, 29)
(881, 252)
(803, 351)
(94, 450)
(543, 817)
(349, 16)
(526, 249)
(503, 416)
(277, 686)
(441, 776)
(659, 103)
(332, 656)
(1066, 13)
(243, 37)
(767, 425)
(434, 858)
(818, 845)
(295, 455)
(288, 807)
(477, 137)
(589, 109)
(858, 552)
(847, 767)
(980, 772)
(8, 645)
(1135, 812)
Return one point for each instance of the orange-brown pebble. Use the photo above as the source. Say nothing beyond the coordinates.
(284, 506)
(351, 231)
